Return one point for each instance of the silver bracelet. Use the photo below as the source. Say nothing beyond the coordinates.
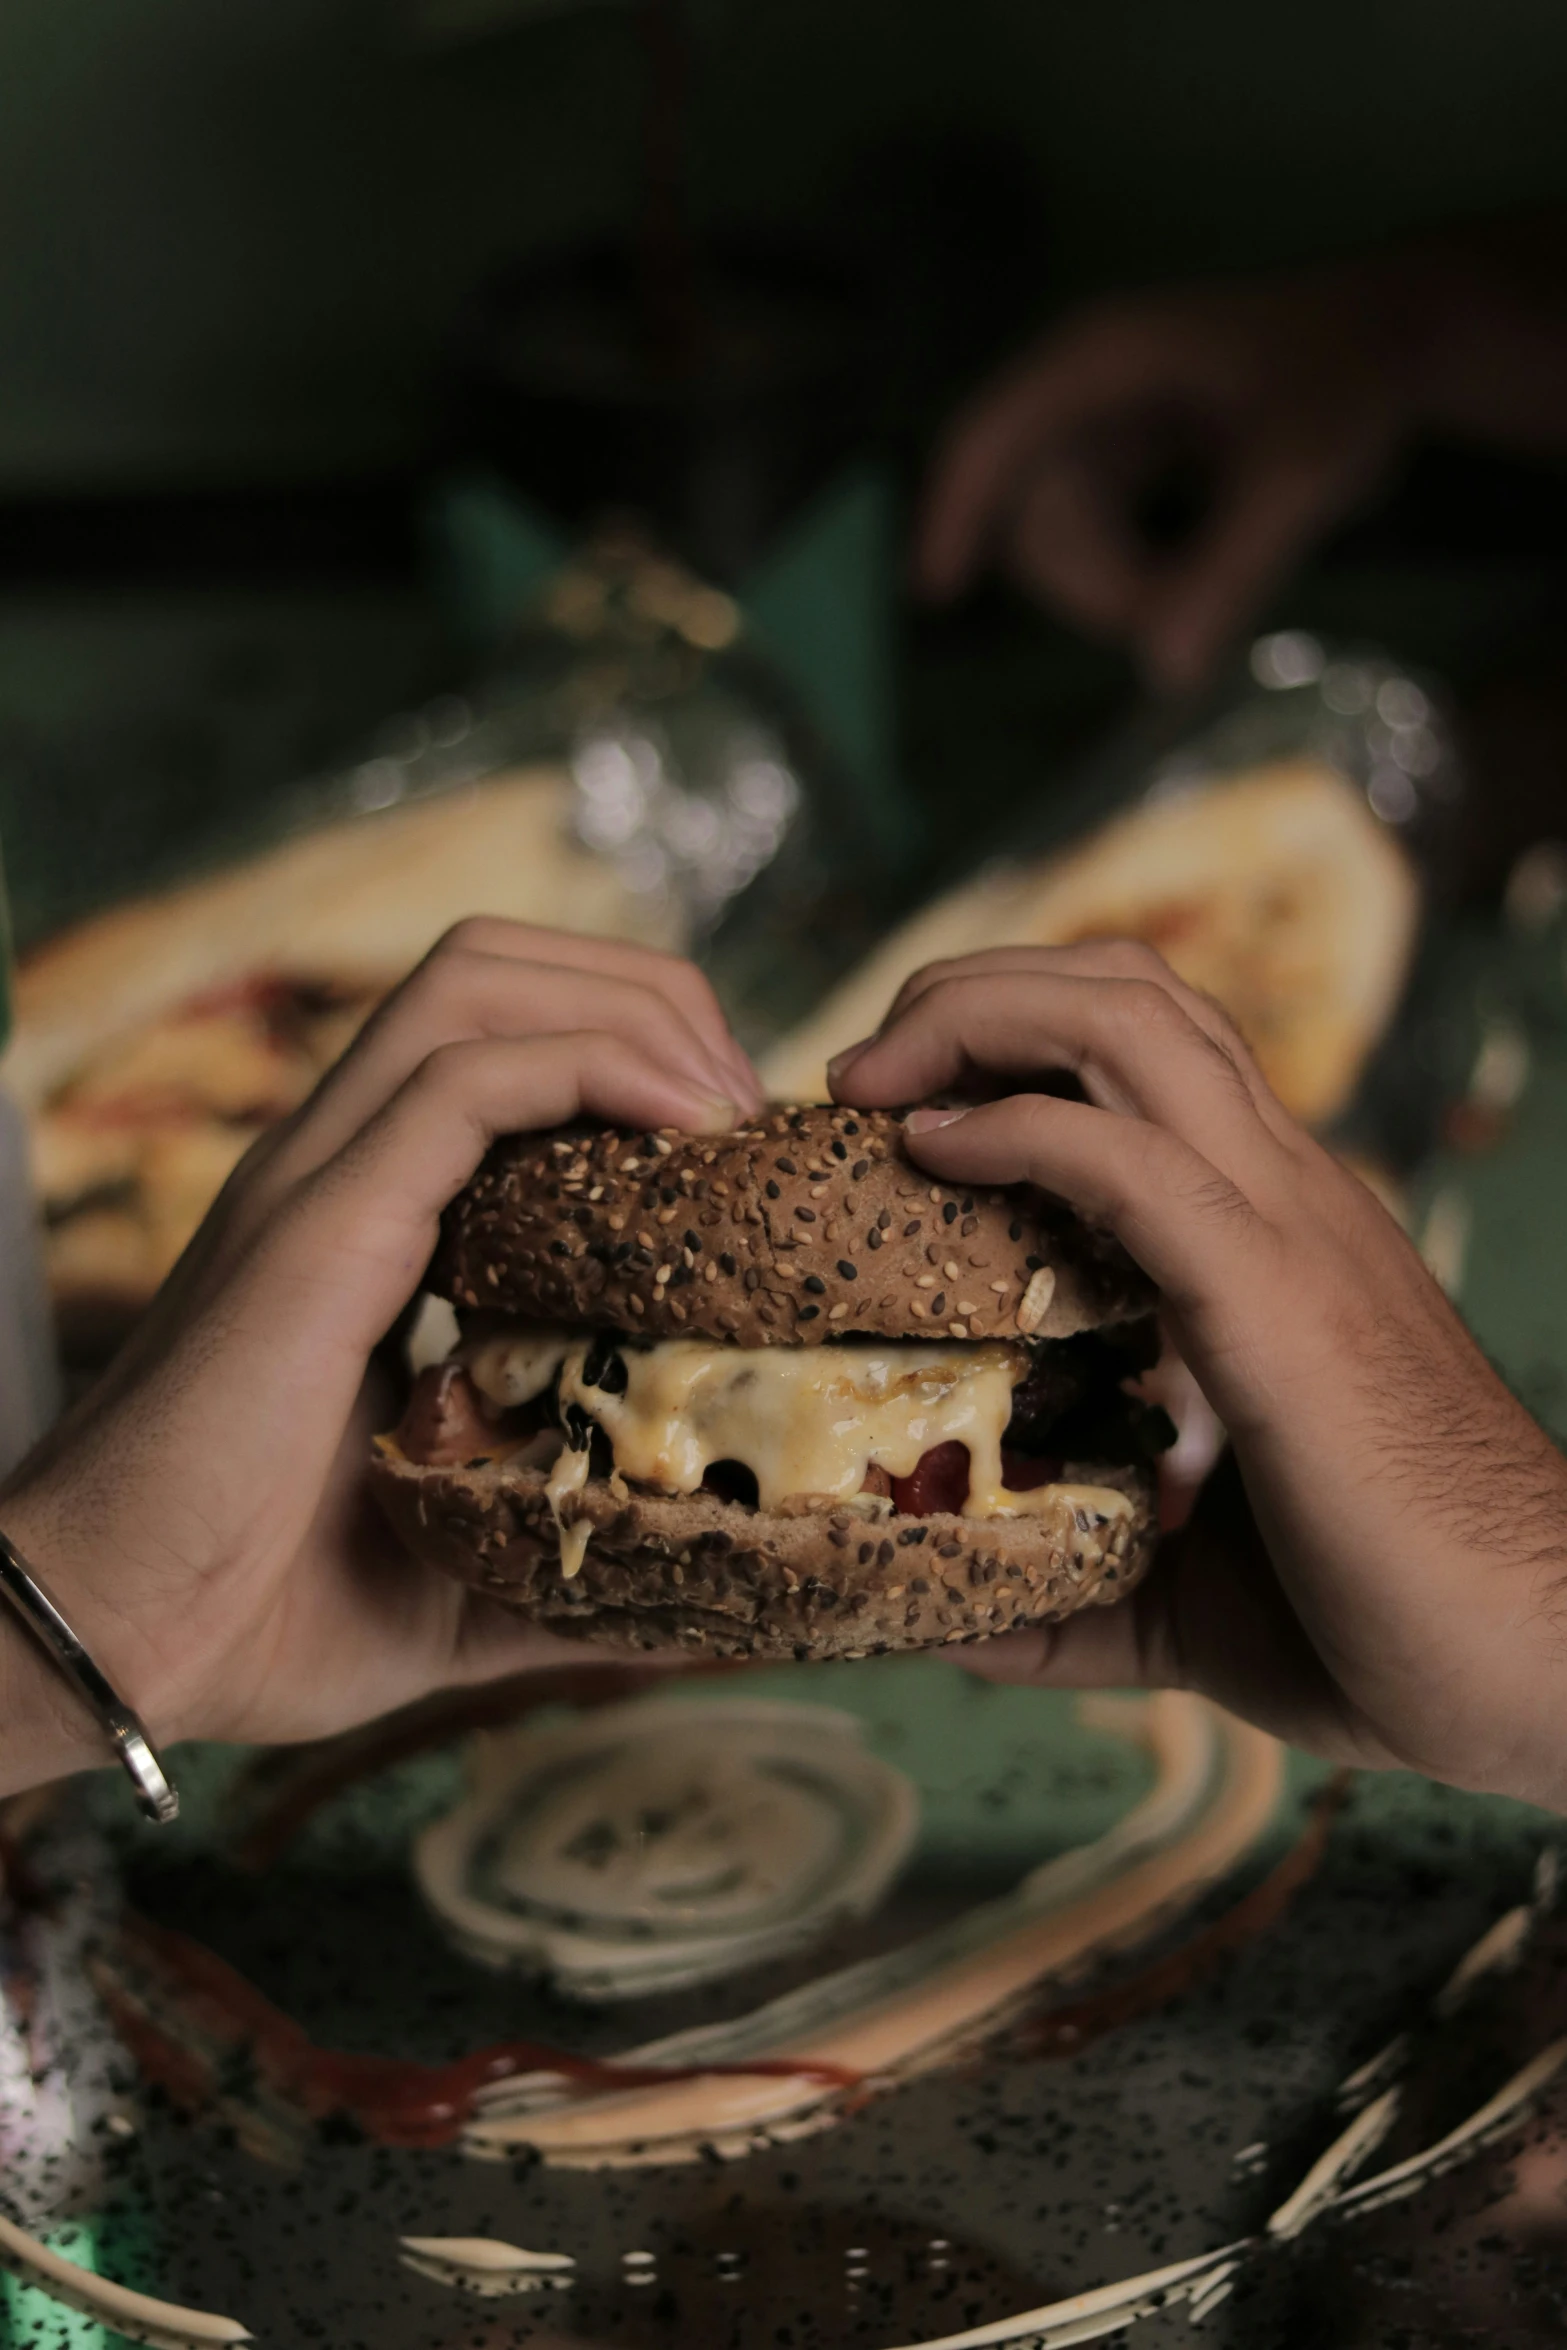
(37, 1610)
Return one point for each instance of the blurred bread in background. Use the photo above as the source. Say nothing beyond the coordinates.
(1276, 891)
(156, 1041)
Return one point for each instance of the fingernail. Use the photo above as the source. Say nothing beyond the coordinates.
(926, 1121)
(715, 1114)
(840, 1061)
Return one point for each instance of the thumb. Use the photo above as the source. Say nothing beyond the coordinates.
(1276, 507)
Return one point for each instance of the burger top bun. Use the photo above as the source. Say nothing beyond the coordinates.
(802, 1226)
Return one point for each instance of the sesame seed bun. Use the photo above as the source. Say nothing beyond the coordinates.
(699, 1574)
(798, 1228)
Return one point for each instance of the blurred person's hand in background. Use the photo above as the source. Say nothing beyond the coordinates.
(1156, 464)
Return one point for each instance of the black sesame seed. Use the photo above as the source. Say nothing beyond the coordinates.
(839, 1150)
(692, 1240)
(859, 1170)
(786, 1166)
(848, 1270)
(773, 1190)
(949, 1214)
(1033, 1263)
(809, 1313)
(558, 1248)
(938, 1304)
(753, 1279)
(968, 1205)
(815, 1284)
(642, 1256)
(668, 1194)
(911, 1227)
(851, 1126)
(1014, 1230)
(726, 1264)
(805, 1215)
(873, 1238)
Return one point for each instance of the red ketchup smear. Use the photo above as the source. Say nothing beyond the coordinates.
(940, 1479)
(395, 2102)
(939, 1482)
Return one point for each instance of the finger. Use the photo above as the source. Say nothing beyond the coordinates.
(1131, 1044)
(1109, 361)
(1098, 1649)
(349, 1245)
(462, 994)
(689, 990)
(1088, 958)
(1179, 1216)
(1069, 544)
(1099, 958)
(1279, 504)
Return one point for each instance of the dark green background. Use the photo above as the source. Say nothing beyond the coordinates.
(232, 236)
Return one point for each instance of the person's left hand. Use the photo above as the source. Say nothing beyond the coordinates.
(1394, 1590)
(202, 1515)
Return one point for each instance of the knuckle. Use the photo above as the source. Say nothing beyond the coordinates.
(1151, 1008)
(1133, 958)
(448, 1070)
(469, 936)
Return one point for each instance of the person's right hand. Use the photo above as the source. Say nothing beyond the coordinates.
(203, 1514)
(1397, 1592)
(1287, 393)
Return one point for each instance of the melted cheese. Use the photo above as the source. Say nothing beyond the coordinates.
(511, 1363)
(813, 1420)
(564, 1482)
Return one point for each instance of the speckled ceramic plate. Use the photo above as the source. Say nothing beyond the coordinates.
(1153, 2106)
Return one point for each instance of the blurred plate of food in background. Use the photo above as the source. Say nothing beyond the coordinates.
(154, 1042)
(629, 769)
(1269, 859)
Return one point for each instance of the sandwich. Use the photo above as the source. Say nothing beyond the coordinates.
(776, 1393)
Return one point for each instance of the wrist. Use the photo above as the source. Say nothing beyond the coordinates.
(51, 1726)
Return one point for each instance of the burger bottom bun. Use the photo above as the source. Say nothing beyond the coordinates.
(713, 1578)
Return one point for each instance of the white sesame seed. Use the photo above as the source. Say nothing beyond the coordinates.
(1034, 1304)
(950, 1268)
(926, 1281)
